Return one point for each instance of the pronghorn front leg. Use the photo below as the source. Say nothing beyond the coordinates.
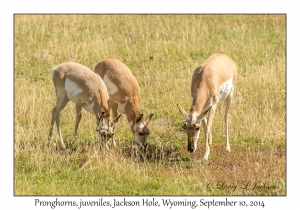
(204, 122)
(51, 125)
(208, 130)
(114, 109)
(61, 102)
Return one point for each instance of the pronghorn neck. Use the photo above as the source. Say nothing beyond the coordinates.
(103, 106)
(200, 99)
(132, 113)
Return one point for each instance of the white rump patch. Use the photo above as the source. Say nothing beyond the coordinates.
(111, 87)
(225, 89)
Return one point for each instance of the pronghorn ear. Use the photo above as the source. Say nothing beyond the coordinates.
(116, 120)
(147, 120)
(139, 118)
(202, 115)
(183, 113)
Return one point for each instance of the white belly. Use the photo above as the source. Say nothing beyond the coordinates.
(225, 89)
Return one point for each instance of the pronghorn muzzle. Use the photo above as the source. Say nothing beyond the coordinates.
(141, 131)
(192, 131)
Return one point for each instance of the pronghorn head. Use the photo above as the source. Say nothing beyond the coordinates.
(140, 130)
(192, 128)
(105, 128)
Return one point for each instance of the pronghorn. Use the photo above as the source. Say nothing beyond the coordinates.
(75, 82)
(212, 81)
(124, 95)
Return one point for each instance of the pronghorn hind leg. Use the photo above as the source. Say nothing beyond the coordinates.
(227, 103)
(61, 103)
(51, 124)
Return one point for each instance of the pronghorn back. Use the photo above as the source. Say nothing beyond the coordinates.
(208, 77)
(218, 68)
(72, 73)
(118, 73)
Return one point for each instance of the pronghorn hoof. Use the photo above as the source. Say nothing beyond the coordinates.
(103, 146)
(72, 149)
(205, 161)
(62, 147)
(228, 150)
(112, 145)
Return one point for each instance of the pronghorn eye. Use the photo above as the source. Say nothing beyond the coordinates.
(184, 126)
(197, 127)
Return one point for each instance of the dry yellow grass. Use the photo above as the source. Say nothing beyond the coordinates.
(162, 51)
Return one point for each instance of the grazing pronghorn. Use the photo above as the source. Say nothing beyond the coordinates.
(75, 82)
(212, 81)
(124, 95)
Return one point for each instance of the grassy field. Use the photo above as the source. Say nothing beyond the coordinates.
(162, 52)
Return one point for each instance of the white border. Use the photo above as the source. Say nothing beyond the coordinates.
(8, 201)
